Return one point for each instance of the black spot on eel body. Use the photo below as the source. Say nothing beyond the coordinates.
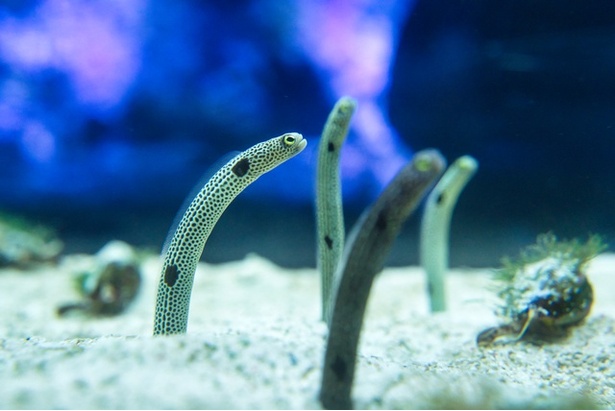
(430, 288)
(241, 167)
(331, 147)
(440, 198)
(381, 222)
(329, 242)
(339, 368)
(171, 275)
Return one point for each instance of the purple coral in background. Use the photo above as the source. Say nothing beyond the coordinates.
(94, 44)
(351, 46)
(64, 65)
(91, 87)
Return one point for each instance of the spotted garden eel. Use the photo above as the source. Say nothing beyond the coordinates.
(435, 227)
(186, 246)
(329, 212)
(368, 246)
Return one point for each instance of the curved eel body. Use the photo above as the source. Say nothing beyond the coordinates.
(435, 227)
(193, 230)
(329, 213)
(364, 256)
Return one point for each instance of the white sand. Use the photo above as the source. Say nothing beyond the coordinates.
(254, 341)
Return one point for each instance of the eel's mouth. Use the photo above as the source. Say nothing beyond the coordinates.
(302, 144)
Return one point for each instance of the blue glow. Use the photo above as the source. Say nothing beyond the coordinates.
(38, 143)
(351, 46)
(88, 88)
(94, 43)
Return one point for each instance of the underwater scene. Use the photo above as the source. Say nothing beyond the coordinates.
(374, 204)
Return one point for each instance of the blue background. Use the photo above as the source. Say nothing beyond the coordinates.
(110, 112)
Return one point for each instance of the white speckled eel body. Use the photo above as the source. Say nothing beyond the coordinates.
(193, 230)
(329, 213)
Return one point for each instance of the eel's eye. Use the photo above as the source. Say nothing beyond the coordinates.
(289, 139)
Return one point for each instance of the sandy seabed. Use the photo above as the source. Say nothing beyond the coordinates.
(255, 341)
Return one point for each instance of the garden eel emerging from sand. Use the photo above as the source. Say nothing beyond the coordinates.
(329, 213)
(186, 246)
(364, 255)
(435, 227)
